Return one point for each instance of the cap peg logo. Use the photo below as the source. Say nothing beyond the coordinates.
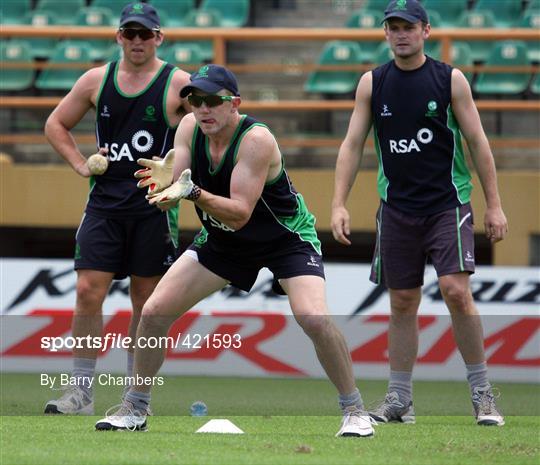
(138, 9)
(401, 5)
(203, 71)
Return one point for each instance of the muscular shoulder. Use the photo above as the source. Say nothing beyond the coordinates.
(176, 106)
(88, 85)
(179, 79)
(259, 137)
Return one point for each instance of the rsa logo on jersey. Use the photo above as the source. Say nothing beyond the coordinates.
(38, 298)
(141, 141)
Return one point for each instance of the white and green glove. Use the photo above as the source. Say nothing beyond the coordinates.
(181, 189)
(157, 175)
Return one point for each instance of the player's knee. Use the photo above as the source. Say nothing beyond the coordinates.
(89, 296)
(457, 298)
(404, 302)
(315, 325)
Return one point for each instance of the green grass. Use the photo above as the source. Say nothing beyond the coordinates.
(285, 421)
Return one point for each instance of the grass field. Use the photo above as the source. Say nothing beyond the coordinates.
(285, 421)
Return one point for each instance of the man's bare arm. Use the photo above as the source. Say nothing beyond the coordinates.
(466, 113)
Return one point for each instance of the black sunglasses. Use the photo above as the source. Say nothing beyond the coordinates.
(130, 33)
(210, 100)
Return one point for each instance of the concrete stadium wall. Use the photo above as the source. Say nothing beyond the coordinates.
(53, 196)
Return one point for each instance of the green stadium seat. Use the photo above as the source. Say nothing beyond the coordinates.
(336, 82)
(480, 49)
(461, 55)
(535, 85)
(449, 10)
(14, 11)
(233, 13)
(531, 19)
(115, 54)
(173, 12)
(116, 6)
(183, 54)
(204, 18)
(384, 54)
(532, 5)
(65, 11)
(40, 47)
(96, 16)
(376, 5)
(432, 47)
(505, 53)
(366, 19)
(505, 12)
(13, 79)
(64, 78)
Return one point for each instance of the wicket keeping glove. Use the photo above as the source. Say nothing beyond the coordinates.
(157, 175)
(181, 189)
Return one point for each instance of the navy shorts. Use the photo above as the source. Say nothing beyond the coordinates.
(285, 259)
(404, 243)
(136, 246)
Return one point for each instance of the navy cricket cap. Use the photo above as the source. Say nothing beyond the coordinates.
(211, 79)
(409, 10)
(141, 13)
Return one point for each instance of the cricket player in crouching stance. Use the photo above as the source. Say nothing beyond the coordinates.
(232, 169)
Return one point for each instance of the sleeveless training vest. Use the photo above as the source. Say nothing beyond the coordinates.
(131, 126)
(279, 212)
(422, 167)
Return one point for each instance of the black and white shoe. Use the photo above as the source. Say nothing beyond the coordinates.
(124, 418)
(392, 409)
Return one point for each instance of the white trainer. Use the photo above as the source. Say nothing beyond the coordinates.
(75, 401)
(356, 423)
(125, 418)
(485, 410)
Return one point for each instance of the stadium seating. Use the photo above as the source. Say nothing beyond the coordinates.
(336, 82)
(64, 11)
(535, 85)
(183, 54)
(461, 55)
(532, 5)
(505, 53)
(505, 12)
(384, 54)
(531, 19)
(96, 16)
(115, 6)
(449, 10)
(204, 18)
(366, 19)
(173, 12)
(376, 5)
(115, 53)
(233, 13)
(15, 51)
(40, 47)
(475, 20)
(432, 47)
(64, 78)
(14, 11)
